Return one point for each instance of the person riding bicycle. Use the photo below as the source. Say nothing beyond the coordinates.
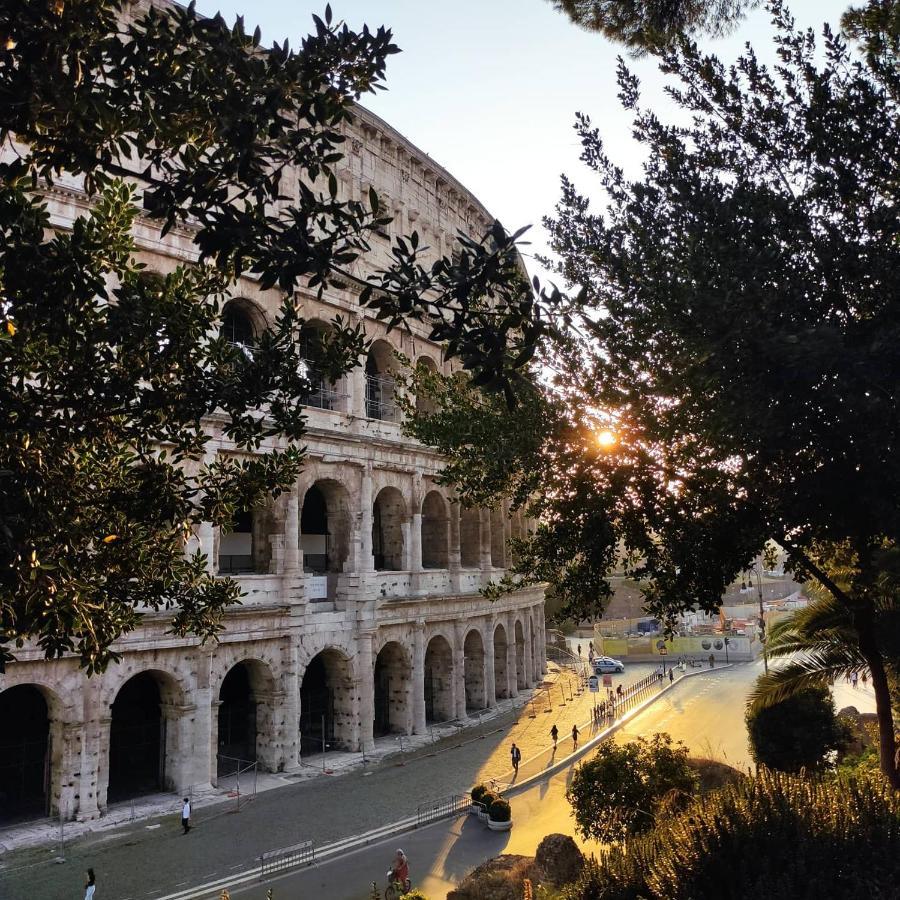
(400, 871)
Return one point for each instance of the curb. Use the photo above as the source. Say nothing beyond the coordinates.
(358, 841)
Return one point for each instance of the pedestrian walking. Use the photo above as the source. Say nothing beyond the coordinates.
(591, 647)
(712, 660)
(579, 649)
(554, 733)
(865, 679)
(186, 816)
(516, 755)
(574, 737)
(620, 691)
(90, 885)
(853, 679)
(671, 676)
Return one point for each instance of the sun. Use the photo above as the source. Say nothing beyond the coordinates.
(606, 438)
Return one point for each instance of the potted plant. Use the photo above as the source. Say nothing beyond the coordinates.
(487, 798)
(499, 815)
(478, 793)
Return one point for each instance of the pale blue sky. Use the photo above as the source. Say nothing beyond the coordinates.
(490, 88)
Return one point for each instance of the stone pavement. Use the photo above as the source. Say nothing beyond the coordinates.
(151, 858)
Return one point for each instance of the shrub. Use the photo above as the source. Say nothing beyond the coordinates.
(487, 798)
(414, 894)
(775, 836)
(499, 810)
(559, 859)
(616, 794)
(798, 733)
(478, 793)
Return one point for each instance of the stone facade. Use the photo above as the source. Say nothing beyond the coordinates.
(361, 613)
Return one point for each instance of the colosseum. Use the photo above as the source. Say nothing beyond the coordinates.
(361, 614)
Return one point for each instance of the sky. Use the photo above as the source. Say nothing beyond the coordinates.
(489, 88)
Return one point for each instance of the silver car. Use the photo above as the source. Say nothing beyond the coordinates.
(606, 664)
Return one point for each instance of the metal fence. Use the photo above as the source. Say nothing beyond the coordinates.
(616, 704)
(275, 861)
(245, 774)
(443, 808)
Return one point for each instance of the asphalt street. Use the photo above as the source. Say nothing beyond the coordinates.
(706, 712)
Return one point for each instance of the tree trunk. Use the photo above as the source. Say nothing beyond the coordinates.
(868, 646)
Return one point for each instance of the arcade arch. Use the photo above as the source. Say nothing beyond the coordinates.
(473, 654)
(393, 683)
(501, 688)
(140, 739)
(521, 682)
(327, 714)
(381, 383)
(439, 705)
(388, 516)
(435, 531)
(245, 717)
(469, 537)
(325, 524)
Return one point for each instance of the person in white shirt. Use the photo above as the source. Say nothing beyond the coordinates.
(90, 886)
(186, 816)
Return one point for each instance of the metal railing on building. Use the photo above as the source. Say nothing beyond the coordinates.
(380, 403)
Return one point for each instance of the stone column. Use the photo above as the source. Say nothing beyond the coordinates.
(406, 556)
(357, 384)
(366, 562)
(490, 687)
(529, 660)
(291, 559)
(512, 669)
(291, 711)
(541, 642)
(203, 760)
(415, 543)
(453, 552)
(365, 679)
(485, 542)
(101, 742)
(206, 539)
(459, 671)
(92, 751)
(418, 676)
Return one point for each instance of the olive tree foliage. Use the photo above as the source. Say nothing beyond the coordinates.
(107, 371)
(735, 318)
(645, 24)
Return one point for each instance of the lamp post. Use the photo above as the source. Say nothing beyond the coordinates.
(762, 613)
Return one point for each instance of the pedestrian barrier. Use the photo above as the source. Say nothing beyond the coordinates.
(275, 861)
(444, 808)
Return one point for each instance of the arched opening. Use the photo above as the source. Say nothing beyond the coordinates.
(326, 704)
(501, 688)
(138, 736)
(239, 327)
(323, 393)
(435, 531)
(498, 539)
(245, 716)
(439, 680)
(393, 679)
(237, 719)
(380, 383)
(237, 545)
(25, 758)
(325, 521)
(424, 403)
(520, 656)
(469, 538)
(388, 516)
(473, 652)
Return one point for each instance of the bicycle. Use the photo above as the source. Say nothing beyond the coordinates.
(396, 889)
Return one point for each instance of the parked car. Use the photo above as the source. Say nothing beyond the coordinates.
(606, 664)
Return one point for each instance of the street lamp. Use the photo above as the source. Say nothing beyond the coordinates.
(762, 612)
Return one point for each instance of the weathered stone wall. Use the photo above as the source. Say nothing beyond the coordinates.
(332, 614)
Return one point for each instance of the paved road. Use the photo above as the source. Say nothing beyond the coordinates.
(151, 859)
(706, 712)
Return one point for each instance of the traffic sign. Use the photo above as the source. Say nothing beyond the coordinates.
(663, 651)
(593, 684)
(607, 681)
(660, 645)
